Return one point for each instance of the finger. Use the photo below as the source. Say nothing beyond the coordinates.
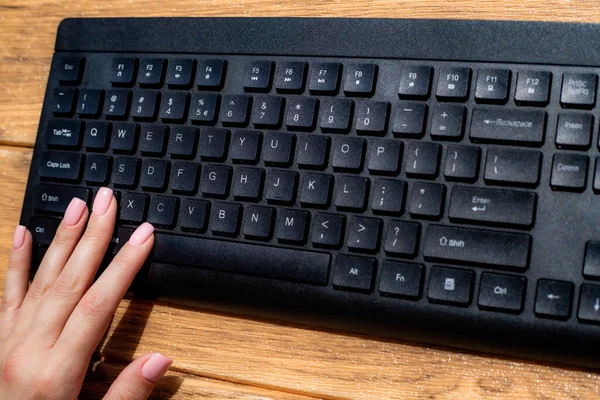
(65, 240)
(17, 279)
(78, 274)
(138, 379)
(86, 325)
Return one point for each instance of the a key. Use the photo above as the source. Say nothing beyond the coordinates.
(324, 78)
(388, 196)
(289, 77)
(60, 165)
(69, 70)
(453, 84)
(266, 111)
(578, 90)
(245, 146)
(211, 74)
(124, 137)
(96, 169)
(154, 174)
(427, 200)
(143, 105)
(150, 72)
(203, 108)
(257, 77)
(513, 167)
(153, 139)
(364, 234)
(182, 141)
(401, 279)
(410, 119)
(89, 102)
(574, 131)
(184, 177)
(225, 218)
(351, 192)
(292, 226)
(415, 81)
(95, 137)
(492, 86)
(122, 71)
(353, 273)
(501, 292)
(508, 126)
(448, 122)
(133, 207)
(215, 180)
(278, 148)
(361, 79)
(125, 172)
(193, 215)
(450, 286)
(336, 115)
(116, 104)
(301, 113)
(348, 154)
(63, 133)
(402, 238)
(258, 222)
(385, 156)
(213, 144)
(372, 117)
(161, 211)
(328, 230)
(569, 172)
(234, 110)
(180, 73)
(315, 190)
(533, 88)
(173, 106)
(247, 184)
(312, 151)
(422, 159)
(462, 163)
(280, 186)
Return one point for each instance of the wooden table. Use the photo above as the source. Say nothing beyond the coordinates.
(223, 356)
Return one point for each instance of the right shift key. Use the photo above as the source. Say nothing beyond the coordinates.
(477, 246)
(516, 126)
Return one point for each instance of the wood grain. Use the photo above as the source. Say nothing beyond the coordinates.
(221, 356)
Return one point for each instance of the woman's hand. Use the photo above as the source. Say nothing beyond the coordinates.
(50, 328)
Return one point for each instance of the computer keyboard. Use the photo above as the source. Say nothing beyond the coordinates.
(431, 181)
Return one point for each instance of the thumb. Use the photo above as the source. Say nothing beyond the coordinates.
(138, 379)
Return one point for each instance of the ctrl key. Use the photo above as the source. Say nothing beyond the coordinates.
(43, 229)
(589, 304)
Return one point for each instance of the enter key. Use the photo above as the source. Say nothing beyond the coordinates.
(502, 207)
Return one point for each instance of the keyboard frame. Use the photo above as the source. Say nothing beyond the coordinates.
(432, 41)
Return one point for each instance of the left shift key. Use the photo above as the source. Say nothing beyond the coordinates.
(56, 199)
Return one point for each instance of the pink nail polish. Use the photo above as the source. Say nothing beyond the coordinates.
(19, 237)
(74, 212)
(141, 234)
(102, 201)
(155, 367)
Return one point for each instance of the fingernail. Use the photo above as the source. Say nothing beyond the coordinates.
(155, 367)
(102, 201)
(74, 212)
(141, 234)
(19, 237)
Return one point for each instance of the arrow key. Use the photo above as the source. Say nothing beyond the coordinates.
(553, 299)
(328, 230)
(589, 304)
(364, 234)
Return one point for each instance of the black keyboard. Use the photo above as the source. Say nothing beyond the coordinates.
(436, 181)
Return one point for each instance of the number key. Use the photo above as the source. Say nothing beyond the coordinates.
(144, 104)
(372, 118)
(266, 111)
(204, 108)
(89, 102)
(116, 103)
(336, 115)
(235, 110)
(301, 113)
(173, 106)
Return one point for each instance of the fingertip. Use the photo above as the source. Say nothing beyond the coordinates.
(19, 237)
(141, 234)
(155, 367)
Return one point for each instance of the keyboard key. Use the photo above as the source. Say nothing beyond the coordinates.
(234, 110)
(301, 113)
(410, 119)
(247, 184)
(402, 238)
(143, 106)
(150, 72)
(401, 279)
(477, 246)
(513, 167)
(245, 146)
(182, 141)
(533, 88)
(388, 196)
(154, 175)
(501, 292)
(173, 106)
(372, 118)
(427, 200)
(119, 240)
(312, 151)
(266, 111)
(289, 77)
(60, 165)
(578, 90)
(203, 109)
(215, 180)
(211, 74)
(354, 273)
(591, 262)
(125, 172)
(96, 169)
(179, 73)
(162, 211)
(351, 193)
(422, 159)
(596, 183)
(448, 122)
(56, 199)
(281, 186)
(69, 69)
(492, 86)
(95, 137)
(415, 82)
(328, 230)
(63, 133)
(361, 79)
(462, 163)
(258, 222)
(385, 156)
(324, 78)
(364, 234)
(116, 104)
(291, 226)
(574, 131)
(133, 207)
(153, 139)
(278, 148)
(348, 154)
(315, 190)
(506, 126)
(89, 102)
(257, 77)
(63, 101)
(243, 258)
(225, 218)
(124, 137)
(193, 215)
(453, 84)
(553, 299)
(569, 172)
(122, 71)
(184, 177)
(450, 286)
(336, 115)
(213, 144)
(43, 229)
(589, 304)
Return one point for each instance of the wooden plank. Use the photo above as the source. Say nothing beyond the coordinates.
(301, 361)
(28, 29)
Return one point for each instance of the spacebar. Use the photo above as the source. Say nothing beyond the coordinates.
(243, 258)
